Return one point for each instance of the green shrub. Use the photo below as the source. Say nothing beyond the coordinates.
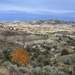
(55, 47)
(46, 47)
(7, 55)
(28, 48)
(41, 72)
(64, 52)
(71, 43)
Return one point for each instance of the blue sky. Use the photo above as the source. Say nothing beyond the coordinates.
(26, 10)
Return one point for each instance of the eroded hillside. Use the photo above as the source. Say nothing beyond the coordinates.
(50, 45)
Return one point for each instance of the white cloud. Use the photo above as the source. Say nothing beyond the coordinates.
(34, 10)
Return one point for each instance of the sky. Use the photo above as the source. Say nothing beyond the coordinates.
(26, 10)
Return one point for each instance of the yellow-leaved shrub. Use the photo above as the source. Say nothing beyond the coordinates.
(21, 57)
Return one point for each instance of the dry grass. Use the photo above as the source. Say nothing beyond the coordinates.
(4, 71)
